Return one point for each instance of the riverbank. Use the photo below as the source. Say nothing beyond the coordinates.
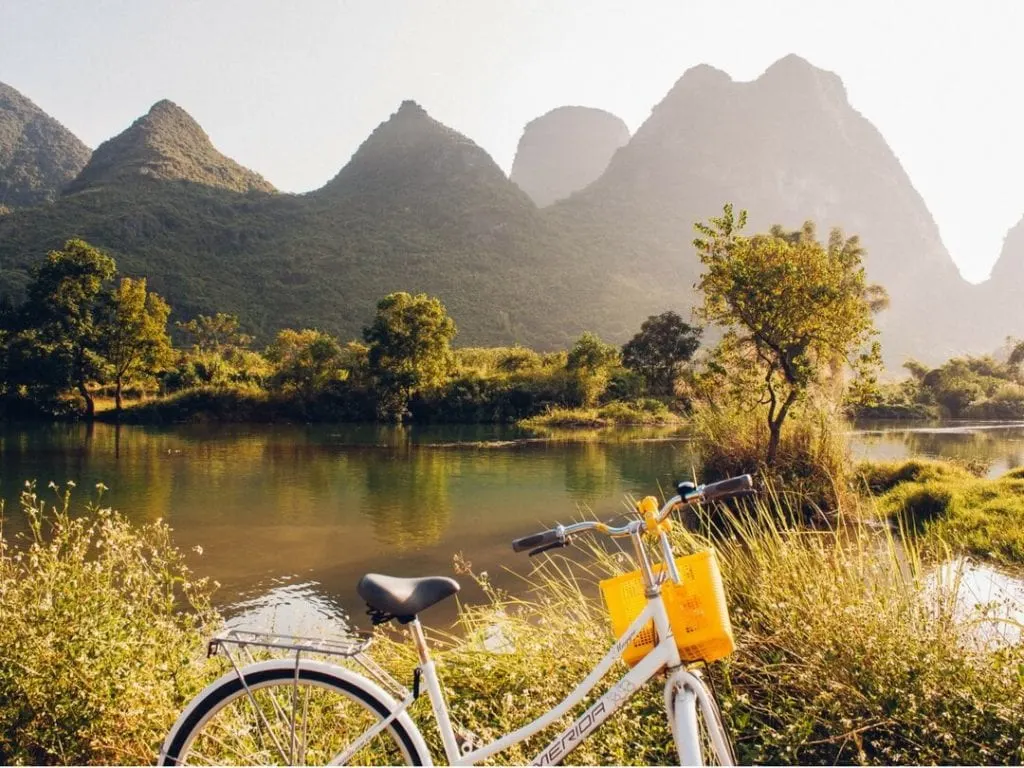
(866, 662)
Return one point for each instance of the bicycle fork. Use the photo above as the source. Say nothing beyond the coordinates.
(684, 692)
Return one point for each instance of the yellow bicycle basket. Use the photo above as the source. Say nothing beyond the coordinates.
(696, 607)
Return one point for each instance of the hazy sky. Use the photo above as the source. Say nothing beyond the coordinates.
(290, 89)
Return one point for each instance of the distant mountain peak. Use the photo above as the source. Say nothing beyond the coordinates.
(793, 77)
(166, 143)
(564, 150)
(704, 74)
(38, 155)
(410, 108)
(411, 145)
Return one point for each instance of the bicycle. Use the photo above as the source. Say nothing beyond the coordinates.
(267, 711)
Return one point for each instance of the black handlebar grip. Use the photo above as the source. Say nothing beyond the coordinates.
(729, 487)
(542, 539)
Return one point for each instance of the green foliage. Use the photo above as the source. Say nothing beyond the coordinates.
(409, 347)
(663, 343)
(792, 308)
(61, 317)
(132, 335)
(103, 627)
(307, 361)
(591, 362)
(645, 411)
(954, 507)
(963, 387)
(218, 333)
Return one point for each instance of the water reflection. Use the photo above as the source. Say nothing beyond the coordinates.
(406, 495)
(989, 600)
(1001, 445)
(289, 517)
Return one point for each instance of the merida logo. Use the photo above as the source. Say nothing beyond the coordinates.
(571, 737)
(592, 718)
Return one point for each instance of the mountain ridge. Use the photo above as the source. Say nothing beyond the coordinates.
(165, 143)
(421, 207)
(38, 155)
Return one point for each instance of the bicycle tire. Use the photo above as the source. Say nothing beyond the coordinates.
(229, 719)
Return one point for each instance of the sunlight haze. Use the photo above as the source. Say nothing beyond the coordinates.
(291, 90)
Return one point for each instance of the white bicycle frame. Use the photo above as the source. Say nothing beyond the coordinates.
(684, 692)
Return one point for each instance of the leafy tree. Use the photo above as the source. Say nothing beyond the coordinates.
(65, 298)
(409, 347)
(917, 370)
(791, 306)
(1017, 354)
(591, 361)
(132, 336)
(664, 341)
(307, 361)
(215, 334)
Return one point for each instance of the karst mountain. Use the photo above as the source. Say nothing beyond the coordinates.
(38, 155)
(564, 150)
(593, 231)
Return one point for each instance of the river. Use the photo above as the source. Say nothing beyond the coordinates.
(288, 518)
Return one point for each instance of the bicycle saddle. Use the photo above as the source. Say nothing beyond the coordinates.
(394, 597)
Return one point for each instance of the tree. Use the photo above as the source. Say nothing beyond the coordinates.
(65, 297)
(1016, 354)
(132, 336)
(217, 334)
(410, 347)
(791, 305)
(306, 361)
(591, 361)
(664, 341)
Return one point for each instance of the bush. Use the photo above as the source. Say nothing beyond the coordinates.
(102, 628)
(812, 465)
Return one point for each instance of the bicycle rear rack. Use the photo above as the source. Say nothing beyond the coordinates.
(348, 646)
(351, 646)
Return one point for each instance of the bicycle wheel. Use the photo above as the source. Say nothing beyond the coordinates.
(272, 714)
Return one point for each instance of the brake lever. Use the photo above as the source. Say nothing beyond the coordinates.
(546, 547)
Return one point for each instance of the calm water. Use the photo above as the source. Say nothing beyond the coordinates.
(289, 517)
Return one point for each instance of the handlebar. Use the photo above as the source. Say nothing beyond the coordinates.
(688, 494)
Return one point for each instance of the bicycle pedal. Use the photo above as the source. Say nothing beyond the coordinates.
(467, 741)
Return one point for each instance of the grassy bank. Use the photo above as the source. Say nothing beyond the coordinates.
(952, 506)
(845, 653)
(644, 412)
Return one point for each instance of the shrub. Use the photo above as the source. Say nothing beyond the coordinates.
(102, 626)
(812, 465)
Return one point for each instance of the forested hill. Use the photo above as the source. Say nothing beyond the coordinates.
(419, 207)
(166, 143)
(422, 208)
(38, 155)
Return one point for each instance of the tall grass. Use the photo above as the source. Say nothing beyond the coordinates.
(101, 626)
(847, 653)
